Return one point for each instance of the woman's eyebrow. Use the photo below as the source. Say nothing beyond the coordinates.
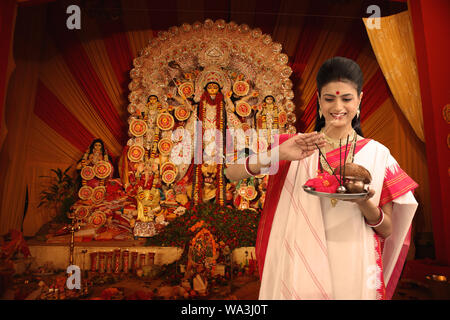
(342, 95)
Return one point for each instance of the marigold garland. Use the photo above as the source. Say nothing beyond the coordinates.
(236, 228)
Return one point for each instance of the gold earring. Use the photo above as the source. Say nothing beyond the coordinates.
(320, 113)
(357, 113)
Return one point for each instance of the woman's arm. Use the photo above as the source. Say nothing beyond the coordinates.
(297, 147)
(373, 216)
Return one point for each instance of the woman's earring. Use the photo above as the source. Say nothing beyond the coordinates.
(357, 113)
(320, 113)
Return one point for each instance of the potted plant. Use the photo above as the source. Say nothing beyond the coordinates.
(60, 195)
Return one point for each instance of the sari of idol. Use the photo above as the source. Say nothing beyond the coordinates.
(309, 249)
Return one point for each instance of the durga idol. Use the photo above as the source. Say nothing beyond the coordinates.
(216, 113)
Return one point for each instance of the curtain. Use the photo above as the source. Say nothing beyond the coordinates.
(8, 10)
(393, 44)
(18, 114)
(389, 126)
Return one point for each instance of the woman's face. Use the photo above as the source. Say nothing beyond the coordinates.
(339, 103)
(212, 89)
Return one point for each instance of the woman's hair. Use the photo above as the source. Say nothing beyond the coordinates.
(339, 69)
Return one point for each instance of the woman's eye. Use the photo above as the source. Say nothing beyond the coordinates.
(347, 100)
(328, 100)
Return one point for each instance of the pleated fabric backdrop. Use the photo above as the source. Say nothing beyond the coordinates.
(82, 83)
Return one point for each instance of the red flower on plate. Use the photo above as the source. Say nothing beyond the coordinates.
(324, 182)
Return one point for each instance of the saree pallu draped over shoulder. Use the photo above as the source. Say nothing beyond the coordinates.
(308, 249)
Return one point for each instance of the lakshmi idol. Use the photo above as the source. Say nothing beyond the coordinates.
(309, 247)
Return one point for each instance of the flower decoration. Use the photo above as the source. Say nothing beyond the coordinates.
(324, 182)
(236, 228)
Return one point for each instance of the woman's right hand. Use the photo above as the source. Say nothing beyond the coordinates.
(301, 146)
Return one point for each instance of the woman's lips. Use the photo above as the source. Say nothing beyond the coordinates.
(339, 115)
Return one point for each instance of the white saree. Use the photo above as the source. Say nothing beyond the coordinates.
(316, 251)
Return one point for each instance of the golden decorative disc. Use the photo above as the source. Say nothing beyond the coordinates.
(182, 113)
(98, 218)
(169, 176)
(186, 89)
(241, 88)
(243, 109)
(165, 146)
(165, 121)
(102, 169)
(98, 194)
(136, 153)
(85, 192)
(138, 127)
(82, 212)
(87, 173)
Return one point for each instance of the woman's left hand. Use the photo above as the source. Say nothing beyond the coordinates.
(370, 194)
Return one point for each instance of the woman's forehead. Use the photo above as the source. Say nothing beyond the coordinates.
(339, 88)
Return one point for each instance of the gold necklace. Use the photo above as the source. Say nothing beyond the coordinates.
(336, 142)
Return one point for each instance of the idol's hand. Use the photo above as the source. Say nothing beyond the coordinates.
(301, 146)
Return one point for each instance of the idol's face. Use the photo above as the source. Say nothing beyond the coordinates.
(141, 195)
(212, 89)
(269, 100)
(97, 146)
(153, 99)
(339, 102)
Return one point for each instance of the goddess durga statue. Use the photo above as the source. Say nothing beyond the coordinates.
(191, 84)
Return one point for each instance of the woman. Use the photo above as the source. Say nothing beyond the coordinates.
(310, 248)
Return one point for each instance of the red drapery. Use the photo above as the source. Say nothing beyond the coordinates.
(7, 18)
(118, 49)
(56, 116)
(79, 64)
(431, 27)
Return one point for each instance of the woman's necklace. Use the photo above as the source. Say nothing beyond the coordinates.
(335, 143)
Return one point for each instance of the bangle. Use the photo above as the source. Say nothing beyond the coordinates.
(247, 168)
(379, 222)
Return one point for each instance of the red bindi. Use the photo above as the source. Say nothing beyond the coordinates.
(337, 92)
